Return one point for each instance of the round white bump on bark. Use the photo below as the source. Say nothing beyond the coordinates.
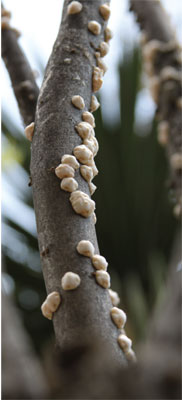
(131, 356)
(70, 160)
(70, 281)
(176, 161)
(47, 313)
(82, 204)
(69, 184)
(118, 316)
(51, 304)
(155, 88)
(74, 7)
(94, 103)
(88, 117)
(92, 144)
(97, 79)
(114, 297)
(105, 11)
(64, 171)
(84, 130)
(101, 64)
(125, 343)
(94, 218)
(179, 102)
(163, 133)
(86, 172)
(86, 248)
(108, 34)
(78, 102)
(170, 73)
(94, 27)
(92, 188)
(177, 210)
(99, 262)
(5, 13)
(5, 23)
(83, 154)
(104, 48)
(150, 49)
(29, 131)
(94, 169)
(53, 300)
(103, 278)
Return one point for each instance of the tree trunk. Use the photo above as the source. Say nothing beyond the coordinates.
(84, 314)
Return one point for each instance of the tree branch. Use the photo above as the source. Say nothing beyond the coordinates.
(22, 78)
(163, 64)
(84, 314)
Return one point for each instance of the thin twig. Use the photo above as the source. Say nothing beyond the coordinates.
(22, 78)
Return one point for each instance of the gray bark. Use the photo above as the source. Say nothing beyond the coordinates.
(23, 82)
(157, 375)
(84, 313)
(155, 23)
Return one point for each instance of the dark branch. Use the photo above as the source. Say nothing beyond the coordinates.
(164, 68)
(21, 75)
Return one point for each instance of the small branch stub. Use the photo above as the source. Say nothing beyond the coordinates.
(70, 281)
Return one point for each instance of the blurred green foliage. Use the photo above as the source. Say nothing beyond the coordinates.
(135, 225)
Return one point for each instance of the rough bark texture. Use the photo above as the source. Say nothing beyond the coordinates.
(155, 23)
(158, 372)
(22, 374)
(23, 82)
(84, 314)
